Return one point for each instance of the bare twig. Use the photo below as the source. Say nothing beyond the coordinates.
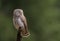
(19, 37)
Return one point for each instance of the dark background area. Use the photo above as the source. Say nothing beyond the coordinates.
(43, 18)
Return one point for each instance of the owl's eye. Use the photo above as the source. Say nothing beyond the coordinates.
(20, 12)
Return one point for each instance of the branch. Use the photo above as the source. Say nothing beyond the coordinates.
(19, 37)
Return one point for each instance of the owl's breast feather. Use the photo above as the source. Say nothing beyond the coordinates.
(20, 23)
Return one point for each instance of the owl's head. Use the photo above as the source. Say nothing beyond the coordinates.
(18, 12)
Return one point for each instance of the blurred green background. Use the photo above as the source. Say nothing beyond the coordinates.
(43, 18)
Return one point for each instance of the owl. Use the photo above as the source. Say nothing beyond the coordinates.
(20, 22)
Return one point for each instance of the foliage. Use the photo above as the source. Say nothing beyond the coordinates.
(43, 18)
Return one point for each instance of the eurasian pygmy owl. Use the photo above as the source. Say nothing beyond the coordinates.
(19, 21)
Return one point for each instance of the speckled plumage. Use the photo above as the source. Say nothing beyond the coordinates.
(19, 20)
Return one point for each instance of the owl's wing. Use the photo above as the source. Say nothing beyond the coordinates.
(25, 22)
(25, 31)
